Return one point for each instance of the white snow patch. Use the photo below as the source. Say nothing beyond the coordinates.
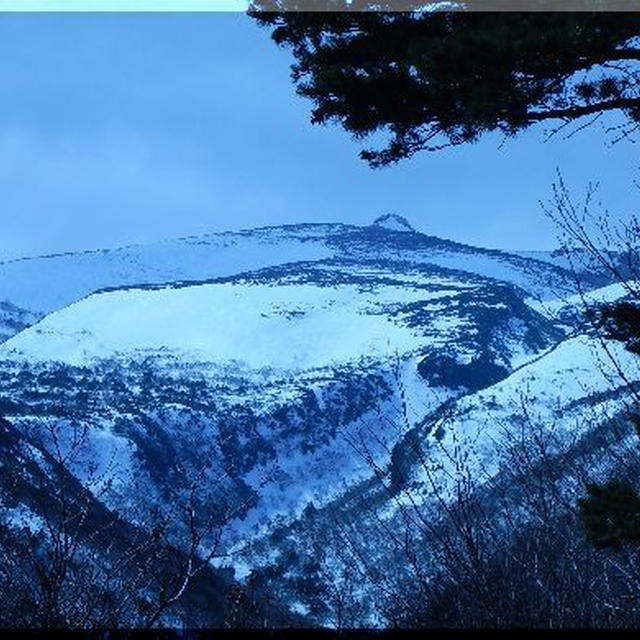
(22, 517)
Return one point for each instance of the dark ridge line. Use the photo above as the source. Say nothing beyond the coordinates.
(136, 245)
(335, 228)
(286, 269)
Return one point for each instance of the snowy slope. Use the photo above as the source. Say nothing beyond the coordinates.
(275, 373)
(573, 388)
(623, 259)
(254, 325)
(48, 283)
(293, 369)
(578, 303)
(559, 404)
(265, 320)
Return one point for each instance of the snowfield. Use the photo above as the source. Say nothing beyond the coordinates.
(44, 284)
(569, 389)
(290, 327)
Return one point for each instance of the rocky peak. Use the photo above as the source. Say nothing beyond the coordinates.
(393, 222)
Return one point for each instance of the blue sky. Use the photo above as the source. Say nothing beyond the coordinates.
(126, 128)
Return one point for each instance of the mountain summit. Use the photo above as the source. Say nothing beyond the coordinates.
(393, 222)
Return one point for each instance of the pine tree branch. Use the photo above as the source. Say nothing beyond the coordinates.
(584, 110)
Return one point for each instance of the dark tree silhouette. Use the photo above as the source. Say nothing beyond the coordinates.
(610, 512)
(437, 79)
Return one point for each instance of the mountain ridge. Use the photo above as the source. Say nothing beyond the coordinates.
(44, 284)
(296, 381)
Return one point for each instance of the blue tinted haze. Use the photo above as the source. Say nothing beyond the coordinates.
(126, 128)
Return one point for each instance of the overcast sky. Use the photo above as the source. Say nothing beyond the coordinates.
(128, 128)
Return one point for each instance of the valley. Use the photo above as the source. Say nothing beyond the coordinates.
(311, 382)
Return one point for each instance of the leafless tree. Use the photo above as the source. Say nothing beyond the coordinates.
(74, 563)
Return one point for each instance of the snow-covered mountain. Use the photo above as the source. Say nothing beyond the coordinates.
(290, 368)
(289, 363)
(44, 284)
(562, 411)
